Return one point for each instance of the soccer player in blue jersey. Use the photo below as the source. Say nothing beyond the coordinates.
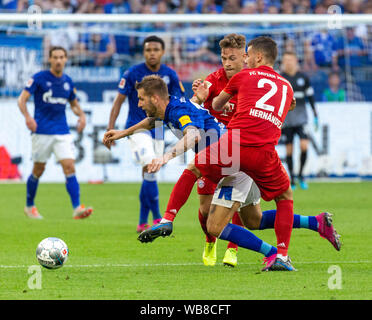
(143, 144)
(52, 90)
(192, 124)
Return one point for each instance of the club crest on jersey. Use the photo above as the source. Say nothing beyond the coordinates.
(181, 86)
(66, 86)
(122, 83)
(201, 183)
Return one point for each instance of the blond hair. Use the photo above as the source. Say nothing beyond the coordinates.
(153, 84)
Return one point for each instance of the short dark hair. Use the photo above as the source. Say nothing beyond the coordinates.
(153, 84)
(154, 39)
(266, 45)
(334, 73)
(55, 48)
(233, 40)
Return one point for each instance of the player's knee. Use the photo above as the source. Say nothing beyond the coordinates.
(251, 217)
(253, 223)
(304, 144)
(38, 169)
(287, 195)
(68, 168)
(203, 211)
(205, 204)
(213, 227)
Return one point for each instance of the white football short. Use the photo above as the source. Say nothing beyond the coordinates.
(145, 148)
(237, 187)
(43, 145)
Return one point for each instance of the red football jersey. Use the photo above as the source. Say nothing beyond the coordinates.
(263, 101)
(217, 81)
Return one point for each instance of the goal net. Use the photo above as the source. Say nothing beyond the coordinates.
(334, 50)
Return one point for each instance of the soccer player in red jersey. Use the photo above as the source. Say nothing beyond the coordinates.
(220, 215)
(264, 99)
(233, 60)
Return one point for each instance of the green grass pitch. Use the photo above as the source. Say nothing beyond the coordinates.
(107, 262)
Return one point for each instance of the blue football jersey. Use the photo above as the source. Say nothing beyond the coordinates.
(135, 74)
(51, 95)
(181, 113)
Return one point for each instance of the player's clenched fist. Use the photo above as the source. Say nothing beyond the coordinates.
(293, 104)
(31, 124)
(202, 92)
(112, 135)
(81, 123)
(157, 163)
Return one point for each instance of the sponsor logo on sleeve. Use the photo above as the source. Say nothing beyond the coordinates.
(181, 86)
(184, 120)
(29, 82)
(122, 83)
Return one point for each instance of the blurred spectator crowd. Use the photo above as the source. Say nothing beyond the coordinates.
(188, 6)
(326, 55)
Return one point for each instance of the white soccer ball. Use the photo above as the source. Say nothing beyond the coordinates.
(52, 253)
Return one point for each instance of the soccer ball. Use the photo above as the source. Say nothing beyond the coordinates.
(52, 253)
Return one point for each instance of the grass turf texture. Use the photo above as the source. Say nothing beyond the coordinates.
(107, 262)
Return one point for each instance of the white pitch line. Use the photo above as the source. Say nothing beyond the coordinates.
(176, 264)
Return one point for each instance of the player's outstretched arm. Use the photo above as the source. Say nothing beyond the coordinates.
(22, 104)
(76, 109)
(112, 135)
(190, 139)
(220, 101)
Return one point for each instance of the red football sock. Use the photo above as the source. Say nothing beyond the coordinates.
(180, 193)
(283, 225)
(203, 224)
(235, 220)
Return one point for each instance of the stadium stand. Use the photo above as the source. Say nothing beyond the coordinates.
(347, 52)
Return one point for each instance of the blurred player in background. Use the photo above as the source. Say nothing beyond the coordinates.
(295, 122)
(143, 144)
(52, 90)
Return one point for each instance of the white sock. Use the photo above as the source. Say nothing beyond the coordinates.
(280, 256)
(164, 220)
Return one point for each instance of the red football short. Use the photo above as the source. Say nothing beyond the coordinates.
(206, 186)
(262, 164)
